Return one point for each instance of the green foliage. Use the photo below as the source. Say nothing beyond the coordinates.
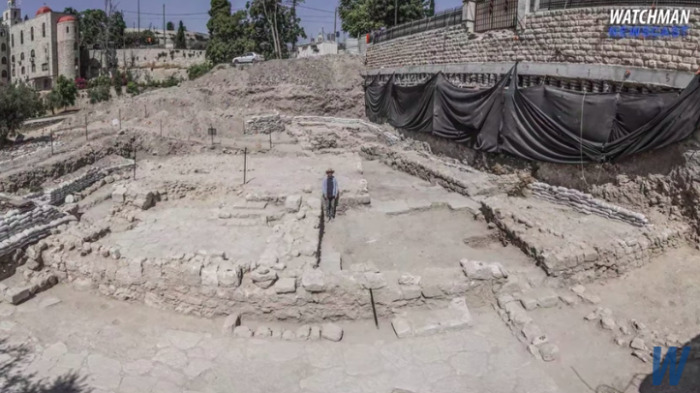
(101, 80)
(99, 93)
(62, 95)
(170, 26)
(198, 70)
(118, 83)
(180, 38)
(431, 8)
(362, 16)
(17, 104)
(143, 38)
(91, 22)
(250, 30)
(132, 88)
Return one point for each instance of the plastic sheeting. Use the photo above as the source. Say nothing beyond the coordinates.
(539, 123)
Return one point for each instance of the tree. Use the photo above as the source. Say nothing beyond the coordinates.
(180, 38)
(229, 33)
(273, 27)
(66, 91)
(431, 8)
(17, 104)
(170, 26)
(363, 16)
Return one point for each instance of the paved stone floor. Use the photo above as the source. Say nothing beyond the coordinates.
(121, 347)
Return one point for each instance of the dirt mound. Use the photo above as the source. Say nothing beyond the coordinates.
(323, 86)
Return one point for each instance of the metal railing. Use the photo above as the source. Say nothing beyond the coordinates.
(563, 4)
(445, 18)
(496, 14)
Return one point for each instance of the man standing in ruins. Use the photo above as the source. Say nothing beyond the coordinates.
(330, 193)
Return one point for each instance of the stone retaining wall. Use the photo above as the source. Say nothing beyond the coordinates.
(57, 195)
(19, 230)
(578, 36)
(264, 124)
(586, 203)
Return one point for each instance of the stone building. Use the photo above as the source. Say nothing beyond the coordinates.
(36, 51)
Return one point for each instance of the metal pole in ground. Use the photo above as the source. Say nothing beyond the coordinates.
(270, 139)
(374, 308)
(245, 162)
(134, 163)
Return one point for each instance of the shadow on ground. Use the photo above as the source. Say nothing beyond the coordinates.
(13, 359)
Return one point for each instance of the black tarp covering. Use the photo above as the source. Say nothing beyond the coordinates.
(539, 123)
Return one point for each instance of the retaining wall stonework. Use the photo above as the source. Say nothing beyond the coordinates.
(585, 203)
(57, 195)
(19, 230)
(264, 124)
(578, 36)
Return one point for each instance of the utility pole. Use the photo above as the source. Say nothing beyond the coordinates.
(335, 24)
(164, 39)
(396, 12)
(138, 11)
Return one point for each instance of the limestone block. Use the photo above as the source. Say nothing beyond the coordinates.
(401, 327)
(292, 203)
(409, 279)
(373, 281)
(242, 332)
(210, 275)
(313, 280)
(229, 275)
(231, 322)
(286, 285)
(17, 295)
(332, 332)
(476, 270)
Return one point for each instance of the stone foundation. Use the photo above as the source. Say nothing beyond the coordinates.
(20, 230)
(264, 124)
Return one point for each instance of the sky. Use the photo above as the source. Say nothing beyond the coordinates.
(315, 14)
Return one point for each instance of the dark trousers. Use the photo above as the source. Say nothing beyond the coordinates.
(331, 204)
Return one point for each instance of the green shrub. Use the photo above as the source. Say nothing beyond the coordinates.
(99, 94)
(132, 88)
(198, 70)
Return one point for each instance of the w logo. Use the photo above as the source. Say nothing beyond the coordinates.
(672, 363)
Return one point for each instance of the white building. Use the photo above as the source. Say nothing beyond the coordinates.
(38, 50)
(317, 49)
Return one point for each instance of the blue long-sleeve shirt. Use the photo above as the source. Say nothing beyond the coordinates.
(333, 189)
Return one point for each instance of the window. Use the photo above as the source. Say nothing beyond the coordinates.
(33, 68)
(77, 62)
(13, 58)
(21, 37)
(45, 67)
(4, 74)
(22, 70)
(21, 56)
(67, 29)
(31, 33)
(3, 47)
(4, 60)
(32, 53)
(43, 30)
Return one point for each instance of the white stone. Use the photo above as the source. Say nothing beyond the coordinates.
(242, 332)
(292, 203)
(638, 343)
(607, 323)
(263, 331)
(303, 332)
(286, 285)
(374, 281)
(332, 332)
(476, 270)
(402, 327)
(82, 284)
(409, 279)
(232, 321)
(549, 352)
(313, 280)
(578, 289)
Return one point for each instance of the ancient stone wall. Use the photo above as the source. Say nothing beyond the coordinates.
(57, 195)
(264, 124)
(18, 230)
(578, 36)
(586, 203)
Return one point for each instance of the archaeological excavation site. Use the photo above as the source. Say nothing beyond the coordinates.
(179, 241)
